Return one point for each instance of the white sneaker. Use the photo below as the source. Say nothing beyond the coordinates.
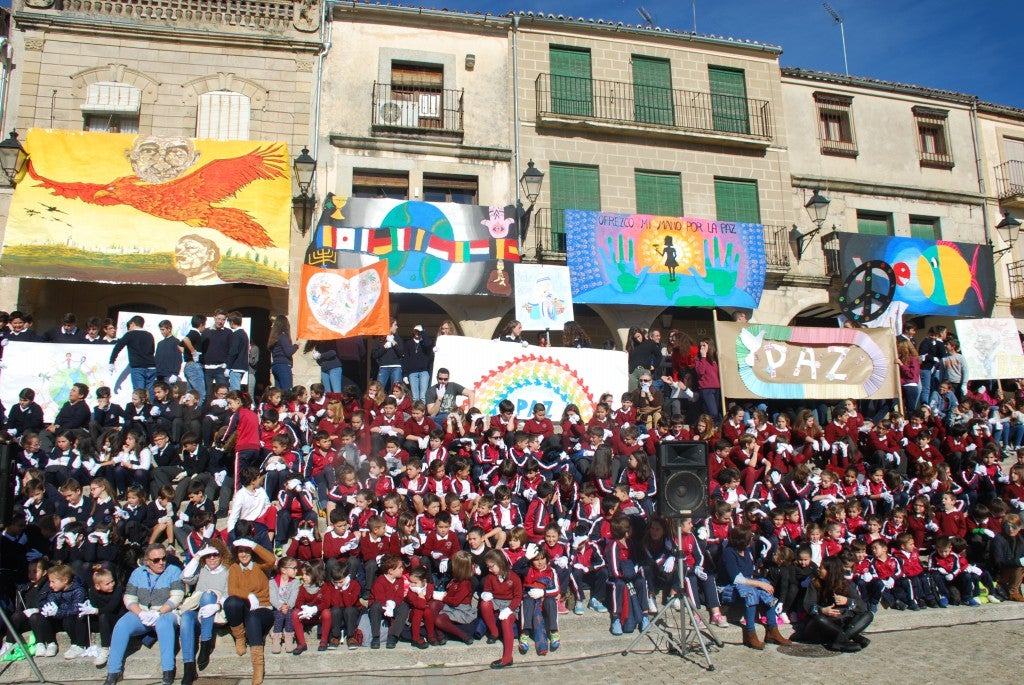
(50, 649)
(74, 651)
(101, 657)
(6, 649)
(652, 604)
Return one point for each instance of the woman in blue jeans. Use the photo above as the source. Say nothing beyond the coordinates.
(740, 585)
(207, 574)
(282, 349)
(388, 353)
(154, 591)
(325, 353)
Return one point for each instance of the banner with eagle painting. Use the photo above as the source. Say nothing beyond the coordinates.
(151, 209)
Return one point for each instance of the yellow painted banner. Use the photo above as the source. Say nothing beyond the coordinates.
(168, 210)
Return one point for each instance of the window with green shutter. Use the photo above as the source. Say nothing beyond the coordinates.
(729, 100)
(572, 187)
(737, 201)
(571, 87)
(659, 194)
(874, 223)
(652, 91)
(924, 227)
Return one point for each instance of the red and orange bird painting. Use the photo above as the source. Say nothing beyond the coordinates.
(189, 198)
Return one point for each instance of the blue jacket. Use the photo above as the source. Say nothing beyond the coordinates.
(67, 600)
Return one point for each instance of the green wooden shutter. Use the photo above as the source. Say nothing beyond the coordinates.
(869, 223)
(572, 187)
(737, 201)
(924, 228)
(729, 100)
(571, 88)
(652, 91)
(658, 194)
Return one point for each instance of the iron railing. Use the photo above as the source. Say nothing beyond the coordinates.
(776, 248)
(830, 246)
(1010, 178)
(416, 109)
(845, 148)
(1015, 270)
(582, 98)
(942, 160)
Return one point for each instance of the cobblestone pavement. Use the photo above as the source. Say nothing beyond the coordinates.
(904, 645)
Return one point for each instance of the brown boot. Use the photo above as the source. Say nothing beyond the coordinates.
(257, 664)
(275, 642)
(238, 632)
(289, 642)
(773, 635)
(750, 639)
(1016, 596)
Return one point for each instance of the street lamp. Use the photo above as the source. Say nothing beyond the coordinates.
(12, 158)
(1009, 231)
(817, 209)
(304, 167)
(531, 182)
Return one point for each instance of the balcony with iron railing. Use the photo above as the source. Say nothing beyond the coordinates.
(576, 101)
(1015, 271)
(417, 111)
(776, 249)
(830, 246)
(1010, 181)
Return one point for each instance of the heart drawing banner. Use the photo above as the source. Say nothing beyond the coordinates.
(343, 303)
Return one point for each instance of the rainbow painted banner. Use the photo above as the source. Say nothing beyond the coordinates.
(552, 376)
(782, 362)
(439, 248)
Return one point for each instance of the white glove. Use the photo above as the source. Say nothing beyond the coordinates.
(219, 402)
(29, 613)
(1017, 503)
(149, 618)
(307, 611)
(866, 577)
(87, 609)
(776, 477)
(987, 532)
(703, 533)
(172, 379)
(670, 565)
(562, 562)
(887, 496)
(389, 608)
(436, 555)
(208, 610)
(402, 491)
(245, 542)
(949, 577)
(254, 601)
(932, 526)
(536, 593)
(532, 550)
(192, 567)
(486, 596)
(48, 609)
(408, 549)
(316, 355)
(421, 590)
(443, 566)
(438, 595)
(504, 613)
(970, 447)
(292, 484)
(155, 411)
(179, 523)
(888, 583)
(701, 572)
(205, 552)
(973, 570)
(637, 494)
(219, 477)
(1019, 561)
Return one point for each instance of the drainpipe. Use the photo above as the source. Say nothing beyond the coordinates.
(515, 129)
(979, 165)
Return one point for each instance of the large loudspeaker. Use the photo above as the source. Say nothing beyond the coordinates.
(7, 477)
(683, 479)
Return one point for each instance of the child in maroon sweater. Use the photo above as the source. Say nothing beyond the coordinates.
(387, 602)
(419, 598)
(312, 605)
(499, 602)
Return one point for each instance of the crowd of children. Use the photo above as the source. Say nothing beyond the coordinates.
(359, 518)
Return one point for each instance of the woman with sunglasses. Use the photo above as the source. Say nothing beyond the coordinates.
(154, 591)
(207, 574)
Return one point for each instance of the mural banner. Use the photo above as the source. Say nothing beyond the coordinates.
(152, 209)
(663, 261)
(543, 296)
(438, 248)
(526, 375)
(52, 368)
(931, 276)
(181, 324)
(344, 303)
(781, 362)
(991, 348)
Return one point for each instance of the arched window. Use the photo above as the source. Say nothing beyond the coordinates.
(111, 107)
(223, 115)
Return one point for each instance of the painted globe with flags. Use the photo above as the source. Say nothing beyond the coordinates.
(413, 269)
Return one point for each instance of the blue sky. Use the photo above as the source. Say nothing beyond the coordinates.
(966, 46)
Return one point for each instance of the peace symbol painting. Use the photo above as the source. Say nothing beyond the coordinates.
(664, 261)
(931, 276)
(343, 303)
(161, 209)
(437, 248)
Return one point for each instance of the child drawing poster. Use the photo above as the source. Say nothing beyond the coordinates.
(168, 210)
(52, 368)
(664, 261)
(431, 248)
(991, 348)
(543, 296)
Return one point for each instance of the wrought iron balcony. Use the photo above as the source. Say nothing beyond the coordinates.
(1010, 180)
(416, 110)
(1015, 270)
(830, 246)
(571, 98)
(776, 249)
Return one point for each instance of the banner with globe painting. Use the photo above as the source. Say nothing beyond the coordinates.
(52, 368)
(432, 248)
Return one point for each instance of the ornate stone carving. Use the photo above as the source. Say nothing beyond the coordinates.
(306, 15)
(34, 44)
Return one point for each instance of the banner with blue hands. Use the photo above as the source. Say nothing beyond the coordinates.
(663, 261)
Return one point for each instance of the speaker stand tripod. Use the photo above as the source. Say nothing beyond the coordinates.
(688, 637)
